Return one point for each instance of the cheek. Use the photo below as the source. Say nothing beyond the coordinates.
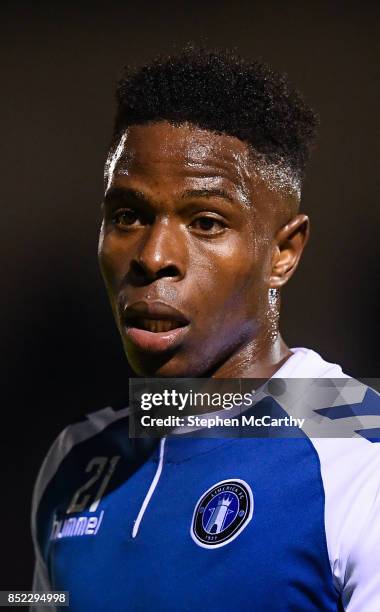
(230, 269)
(113, 259)
(231, 289)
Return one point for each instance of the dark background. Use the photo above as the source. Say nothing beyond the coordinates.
(61, 355)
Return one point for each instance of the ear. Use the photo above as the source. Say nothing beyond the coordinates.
(289, 243)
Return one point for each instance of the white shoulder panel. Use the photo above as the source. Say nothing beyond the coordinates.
(350, 471)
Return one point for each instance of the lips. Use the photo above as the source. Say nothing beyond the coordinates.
(154, 326)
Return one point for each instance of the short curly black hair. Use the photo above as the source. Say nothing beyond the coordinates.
(220, 91)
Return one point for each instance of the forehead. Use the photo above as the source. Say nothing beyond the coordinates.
(180, 151)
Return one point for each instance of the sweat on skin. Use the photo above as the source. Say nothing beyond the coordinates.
(190, 223)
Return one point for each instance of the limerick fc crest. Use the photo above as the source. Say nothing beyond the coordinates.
(222, 513)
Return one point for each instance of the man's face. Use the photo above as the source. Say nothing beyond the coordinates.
(185, 248)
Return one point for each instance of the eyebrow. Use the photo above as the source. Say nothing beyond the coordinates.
(207, 193)
(125, 192)
(122, 192)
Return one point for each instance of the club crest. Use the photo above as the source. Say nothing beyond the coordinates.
(221, 513)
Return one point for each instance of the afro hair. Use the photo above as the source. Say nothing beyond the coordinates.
(219, 91)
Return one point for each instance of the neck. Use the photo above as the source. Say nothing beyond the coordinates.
(255, 361)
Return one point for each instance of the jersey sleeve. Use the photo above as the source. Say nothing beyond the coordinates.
(361, 589)
(57, 451)
(351, 478)
(71, 436)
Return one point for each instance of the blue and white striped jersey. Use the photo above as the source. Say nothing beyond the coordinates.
(274, 524)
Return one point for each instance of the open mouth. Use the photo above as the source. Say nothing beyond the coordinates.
(155, 325)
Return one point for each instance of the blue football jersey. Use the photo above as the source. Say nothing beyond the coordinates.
(218, 524)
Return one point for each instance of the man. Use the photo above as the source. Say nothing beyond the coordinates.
(201, 230)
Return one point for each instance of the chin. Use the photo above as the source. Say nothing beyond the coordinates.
(155, 366)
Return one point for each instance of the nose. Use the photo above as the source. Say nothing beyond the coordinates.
(161, 253)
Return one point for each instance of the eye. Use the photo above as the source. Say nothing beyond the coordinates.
(126, 218)
(208, 225)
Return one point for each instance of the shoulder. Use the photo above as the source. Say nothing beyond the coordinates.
(343, 425)
(69, 439)
(350, 470)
